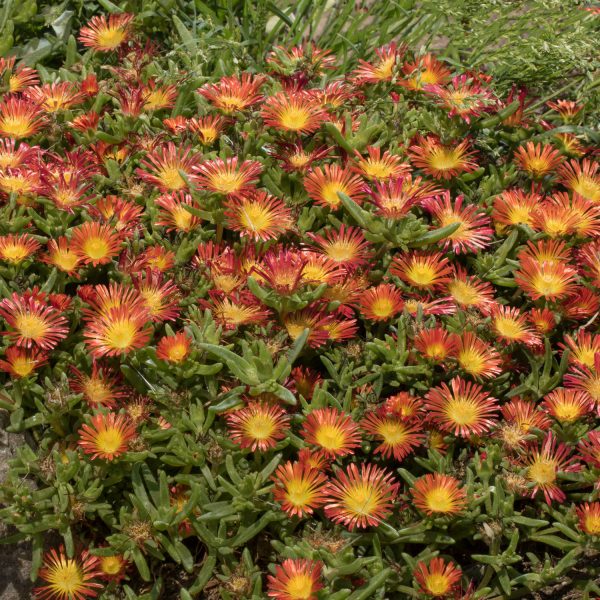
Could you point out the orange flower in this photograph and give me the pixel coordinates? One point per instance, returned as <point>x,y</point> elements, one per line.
<point>118,331</point>
<point>162,166</point>
<point>112,567</point>
<point>174,215</point>
<point>397,437</point>
<point>360,499</point>
<point>439,579</point>
<point>424,70</point>
<point>324,184</point>
<point>32,322</point>
<point>258,216</point>
<point>299,488</point>
<point>537,160</point>
<point>396,197</point>
<point>227,177</point>
<point>514,207</point>
<point>476,357</point>
<point>469,291</point>
<point>435,344</point>
<point>379,167</point>
<point>404,406</point>
<point>15,248</point>
<point>160,297</point>
<point>543,320</point>
<point>297,113</point>
<point>347,246</point>
<point>473,233</point>
<point>583,348</point>
<point>231,94</point>
<point>331,430</point>
<point>567,405</point>
<point>158,97</point>
<point>295,157</point>
<point>295,579</point>
<point>567,109</point>
<point>464,97</point>
<point>511,326</point>
<point>208,129</point>
<point>543,464</point>
<point>107,436</point>
<point>68,578</point>
<point>381,302</point>
<point>586,379</point>
<point>94,243</point>
<point>422,270</point>
<point>22,363</point>
<point>582,215</point>
<point>52,97</point>
<point>383,68</point>
<point>525,415</point>
<point>442,161</point>
<point>174,348</point>
<point>582,178</point>
<point>12,156</point>
<point>463,408</point>
<point>104,35</point>
<point>548,280</point>
<point>436,494</point>
<point>100,388</point>
<point>281,270</point>
<point>233,310</point>
<point>20,118</point>
<point>588,514</point>
<point>18,80</point>
<point>257,426</point>
<point>589,447</point>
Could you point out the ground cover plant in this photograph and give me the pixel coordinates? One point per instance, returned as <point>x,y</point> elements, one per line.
<point>309,330</point>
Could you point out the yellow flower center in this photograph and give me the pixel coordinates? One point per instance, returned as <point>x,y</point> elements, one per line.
<point>462,411</point>
<point>542,471</point>
<point>14,253</point>
<point>16,126</point>
<point>392,433</point>
<point>23,366</point>
<point>587,187</point>
<point>566,411</point>
<point>111,565</point>
<point>171,179</point>
<point>376,169</point>
<point>259,427</point>
<point>226,182</point>
<point>121,334</point>
<point>294,118</point>
<point>110,38</point>
<point>439,500</point>
<point>109,440</point>
<point>471,361</point>
<point>235,314</point>
<point>382,308</point>
<point>177,352</point>
<point>437,584</point>
<point>299,587</point>
<point>444,159</point>
<point>65,579</point>
<point>96,392</point>
<point>295,329</point>
<point>299,492</point>
<point>341,251</point>
<point>230,104</point>
<point>330,437</point>
<point>421,275</point>
<point>520,214</point>
<point>31,326</point>
<point>592,524</point>
<point>96,248</point>
<point>329,193</point>
<point>508,328</point>
<point>255,217</point>
<point>385,68</point>
<point>464,293</point>
<point>361,499</point>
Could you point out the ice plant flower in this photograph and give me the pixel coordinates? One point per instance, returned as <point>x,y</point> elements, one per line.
<point>537,160</point>
<point>68,578</point>
<point>101,387</point>
<point>422,270</point>
<point>583,177</point>
<point>324,184</point>
<point>567,405</point>
<point>424,70</point>
<point>473,233</point>
<point>299,488</point>
<point>32,322</point>
<point>297,113</point>
<point>174,348</point>
<point>436,494</point>
<point>258,216</point>
<point>462,408</point>
<point>103,35</point>
<point>381,302</point>
<point>174,214</point>
<point>331,430</point>
<point>442,161</point>
<point>20,118</point>
<point>227,177</point>
<point>476,357</point>
<point>94,243</point>
<point>233,94</point>
<point>346,246</point>
<point>549,280</point>
<point>162,166</point>
<point>360,498</point>
<point>107,436</point>
<point>22,363</point>
<point>588,515</point>
<point>383,68</point>
<point>120,330</point>
<point>378,166</point>
<point>295,579</point>
<point>396,197</point>
<point>258,426</point>
<point>438,579</point>
<point>397,437</point>
<point>15,248</point>
<point>543,465</point>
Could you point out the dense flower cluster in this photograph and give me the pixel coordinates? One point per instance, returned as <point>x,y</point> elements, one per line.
<point>282,310</point>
